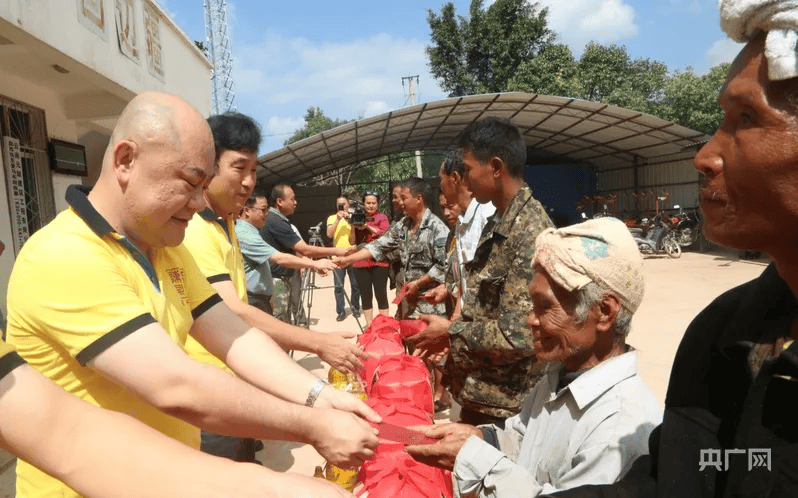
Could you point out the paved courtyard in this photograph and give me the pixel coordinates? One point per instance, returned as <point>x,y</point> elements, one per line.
<point>676,290</point>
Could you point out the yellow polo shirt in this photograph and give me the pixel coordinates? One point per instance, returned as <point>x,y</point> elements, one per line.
<point>214,244</point>
<point>9,359</point>
<point>342,231</point>
<point>77,288</point>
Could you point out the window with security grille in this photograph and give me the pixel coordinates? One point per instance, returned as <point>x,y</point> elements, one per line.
<point>29,184</point>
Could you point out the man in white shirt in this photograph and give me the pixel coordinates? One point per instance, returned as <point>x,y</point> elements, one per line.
<point>590,416</point>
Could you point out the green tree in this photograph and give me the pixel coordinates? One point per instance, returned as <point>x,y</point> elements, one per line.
<point>691,100</point>
<point>315,123</point>
<point>482,52</point>
<point>553,72</point>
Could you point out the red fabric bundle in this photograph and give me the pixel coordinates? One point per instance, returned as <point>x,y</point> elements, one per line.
<point>407,375</point>
<point>394,473</point>
<point>378,343</point>
<point>399,389</point>
<point>381,321</point>
<point>402,414</point>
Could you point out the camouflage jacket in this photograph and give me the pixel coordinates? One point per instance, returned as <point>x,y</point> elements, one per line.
<point>491,365</point>
<point>423,253</point>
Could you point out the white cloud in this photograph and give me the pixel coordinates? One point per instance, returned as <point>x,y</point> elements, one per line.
<point>375,108</point>
<point>283,76</point>
<point>723,50</point>
<point>280,70</point>
<point>279,126</point>
<point>579,22</point>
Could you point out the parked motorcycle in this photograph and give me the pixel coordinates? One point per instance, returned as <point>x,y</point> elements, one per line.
<point>686,225</point>
<point>660,238</point>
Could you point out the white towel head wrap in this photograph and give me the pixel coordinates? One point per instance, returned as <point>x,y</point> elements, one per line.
<point>743,19</point>
<point>601,251</point>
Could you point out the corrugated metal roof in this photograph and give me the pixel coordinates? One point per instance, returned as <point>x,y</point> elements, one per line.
<point>579,130</point>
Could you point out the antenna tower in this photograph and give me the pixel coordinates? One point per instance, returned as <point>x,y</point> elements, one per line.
<point>223,89</point>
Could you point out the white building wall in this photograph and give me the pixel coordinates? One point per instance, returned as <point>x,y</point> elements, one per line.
<point>56,23</point>
<point>82,105</point>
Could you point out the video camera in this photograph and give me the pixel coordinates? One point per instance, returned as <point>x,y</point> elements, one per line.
<point>357,214</point>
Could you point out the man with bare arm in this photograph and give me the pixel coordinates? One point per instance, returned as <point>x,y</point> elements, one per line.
<point>103,298</point>
<point>68,438</point>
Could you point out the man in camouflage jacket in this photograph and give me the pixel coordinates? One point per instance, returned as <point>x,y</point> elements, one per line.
<point>418,241</point>
<point>491,363</point>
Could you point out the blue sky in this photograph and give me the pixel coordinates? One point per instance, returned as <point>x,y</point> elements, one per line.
<point>349,57</point>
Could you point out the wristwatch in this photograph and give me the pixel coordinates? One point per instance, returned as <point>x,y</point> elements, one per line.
<point>315,390</point>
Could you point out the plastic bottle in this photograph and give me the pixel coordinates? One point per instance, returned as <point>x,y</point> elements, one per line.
<point>346,478</point>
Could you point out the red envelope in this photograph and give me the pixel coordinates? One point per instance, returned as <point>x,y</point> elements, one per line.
<point>402,435</point>
<point>411,327</point>
<point>401,294</point>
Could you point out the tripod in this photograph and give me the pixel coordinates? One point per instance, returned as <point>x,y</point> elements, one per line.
<point>309,285</point>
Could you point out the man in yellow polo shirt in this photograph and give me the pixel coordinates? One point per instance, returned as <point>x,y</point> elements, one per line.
<point>338,229</point>
<point>68,438</point>
<point>212,240</point>
<point>102,299</point>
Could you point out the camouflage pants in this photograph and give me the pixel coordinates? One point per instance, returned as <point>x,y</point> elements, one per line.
<point>281,300</point>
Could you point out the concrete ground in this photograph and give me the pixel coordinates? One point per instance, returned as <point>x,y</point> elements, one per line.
<point>676,290</point>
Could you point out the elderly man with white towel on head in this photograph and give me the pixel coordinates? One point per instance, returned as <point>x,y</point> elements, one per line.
<point>731,413</point>
<point>590,416</point>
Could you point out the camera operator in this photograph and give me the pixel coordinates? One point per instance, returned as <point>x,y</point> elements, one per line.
<point>371,274</point>
<point>338,229</point>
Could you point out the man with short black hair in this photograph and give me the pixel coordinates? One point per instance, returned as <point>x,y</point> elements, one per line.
<point>108,317</point>
<point>472,219</point>
<point>491,363</point>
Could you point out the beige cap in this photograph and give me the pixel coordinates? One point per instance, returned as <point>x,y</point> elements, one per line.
<point>601,251</point>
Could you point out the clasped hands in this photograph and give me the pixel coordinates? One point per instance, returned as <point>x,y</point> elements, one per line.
<point>432,343</point>
<point>443,453</point>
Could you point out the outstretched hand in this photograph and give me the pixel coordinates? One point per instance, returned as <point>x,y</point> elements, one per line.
<point>443,453</point>
<point>339,353</point>
<point>324,265</point>
<point>433,340</point>
<point>343,439</point>
<point>347,402</point>
<point>436,295</point>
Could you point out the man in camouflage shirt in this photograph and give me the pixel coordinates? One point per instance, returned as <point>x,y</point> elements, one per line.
<point>491,363</point>
<point>419,241</point>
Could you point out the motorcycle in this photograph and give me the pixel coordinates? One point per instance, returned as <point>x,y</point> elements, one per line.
<point>686,225</point>
<point>660,238</point>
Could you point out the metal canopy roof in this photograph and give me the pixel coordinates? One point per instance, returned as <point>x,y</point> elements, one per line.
<point>578,131</point>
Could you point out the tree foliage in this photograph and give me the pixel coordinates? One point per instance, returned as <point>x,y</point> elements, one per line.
<point>315,123</point>
<point>391,168</point>
<point>607,74</point>
<point>691,100</point>
<point>482,52</point>
<point>509,47</point>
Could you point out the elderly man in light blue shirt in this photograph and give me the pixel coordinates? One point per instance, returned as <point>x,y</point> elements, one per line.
<point>590,416</point>
<point>257,254</point>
